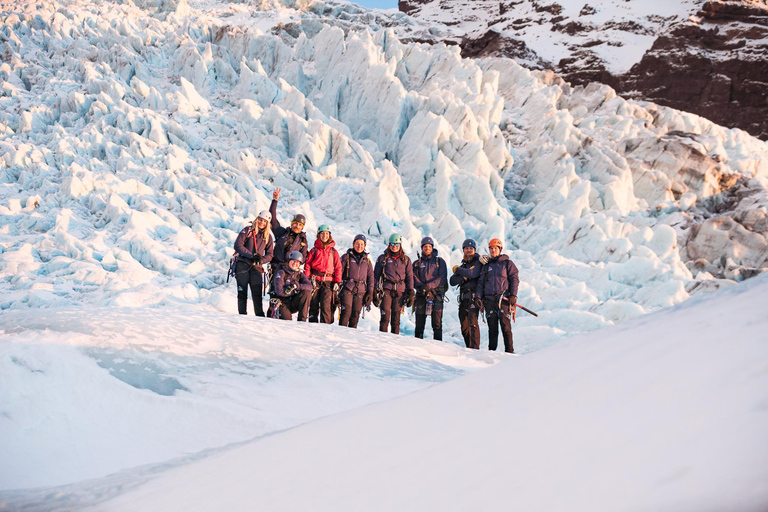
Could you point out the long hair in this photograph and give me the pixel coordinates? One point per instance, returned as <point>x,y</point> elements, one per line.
<point>263,233</point>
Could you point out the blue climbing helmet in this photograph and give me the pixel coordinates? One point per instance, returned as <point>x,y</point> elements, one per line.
<point>469,243</point>
<point>396,239</point>
<point>296,255</point>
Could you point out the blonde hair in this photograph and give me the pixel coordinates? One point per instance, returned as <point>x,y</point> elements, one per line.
<point>264,233</point>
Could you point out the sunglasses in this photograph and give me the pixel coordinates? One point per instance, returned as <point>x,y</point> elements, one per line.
<point>394,245</point>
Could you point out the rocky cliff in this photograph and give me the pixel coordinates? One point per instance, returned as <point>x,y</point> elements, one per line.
<point>709,58</point>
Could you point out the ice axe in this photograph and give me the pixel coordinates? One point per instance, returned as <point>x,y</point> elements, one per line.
<point>527,310</point>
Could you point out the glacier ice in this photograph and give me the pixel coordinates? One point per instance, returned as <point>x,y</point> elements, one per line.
<point>138,138</point>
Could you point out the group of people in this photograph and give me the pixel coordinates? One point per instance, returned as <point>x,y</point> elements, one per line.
<point>487,283</point>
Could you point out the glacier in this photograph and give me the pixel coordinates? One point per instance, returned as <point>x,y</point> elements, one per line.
<point>138,137</point>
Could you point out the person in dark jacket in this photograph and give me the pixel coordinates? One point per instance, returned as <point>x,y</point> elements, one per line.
<point>430,278</point>
<point>497,294</point>
<point>289,239</point>
<point>357,283</point>
<point>466,276</point>
<point>394,283</point>
<point>254,249</point>
<point>293,290</point>
<point>323,268</point>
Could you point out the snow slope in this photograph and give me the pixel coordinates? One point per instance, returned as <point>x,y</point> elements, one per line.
<point>87,393</point>
<point>667,412</point>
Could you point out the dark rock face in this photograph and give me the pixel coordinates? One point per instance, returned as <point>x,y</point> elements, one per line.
<point>713,62</point>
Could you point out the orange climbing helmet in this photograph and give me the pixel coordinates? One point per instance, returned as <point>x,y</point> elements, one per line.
<point>495,242</point>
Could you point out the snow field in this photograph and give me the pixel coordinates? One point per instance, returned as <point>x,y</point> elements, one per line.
<point>89,392</point>
<point>664,412</point>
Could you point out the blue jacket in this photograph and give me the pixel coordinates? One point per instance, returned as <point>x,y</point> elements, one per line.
<point>466,277</point>
<point>499,276</point>
<point>430,274</point>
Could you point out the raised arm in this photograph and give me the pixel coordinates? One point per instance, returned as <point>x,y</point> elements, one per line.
<point>277,230</point>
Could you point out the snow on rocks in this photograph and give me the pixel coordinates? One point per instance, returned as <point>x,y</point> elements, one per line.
<point>149,133</point>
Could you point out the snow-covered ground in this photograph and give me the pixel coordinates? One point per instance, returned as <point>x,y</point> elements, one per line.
<point>667,412</point>
<point>89,392</point>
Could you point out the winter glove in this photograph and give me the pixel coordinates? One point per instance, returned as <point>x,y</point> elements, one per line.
<point>410,299</point>
<point>455,268</point>
<point>256,258</point>
<point>258,268</point>
<point>336,287</point>
<point>289,289</point>
<point>478,303</point>
<point>513,300</point>
<point>484,258</point>
<point>376,299</point>
<point>367,298</point>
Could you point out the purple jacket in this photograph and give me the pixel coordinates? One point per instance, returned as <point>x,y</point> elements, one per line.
<point>357,273</point>
<point>395,270</point>
<point>466,277</point>
<point>430,274</point>
<point>251,246</point>
<point>286,277</point>
<point>499,276</point>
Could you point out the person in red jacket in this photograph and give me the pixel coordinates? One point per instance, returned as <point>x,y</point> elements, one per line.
<point>323,268</point>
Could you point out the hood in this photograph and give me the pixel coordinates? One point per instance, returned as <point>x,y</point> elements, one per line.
<point>431,256</point>
<point>353,254</point>
<point>320,246</point>
<point>502,257</point>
